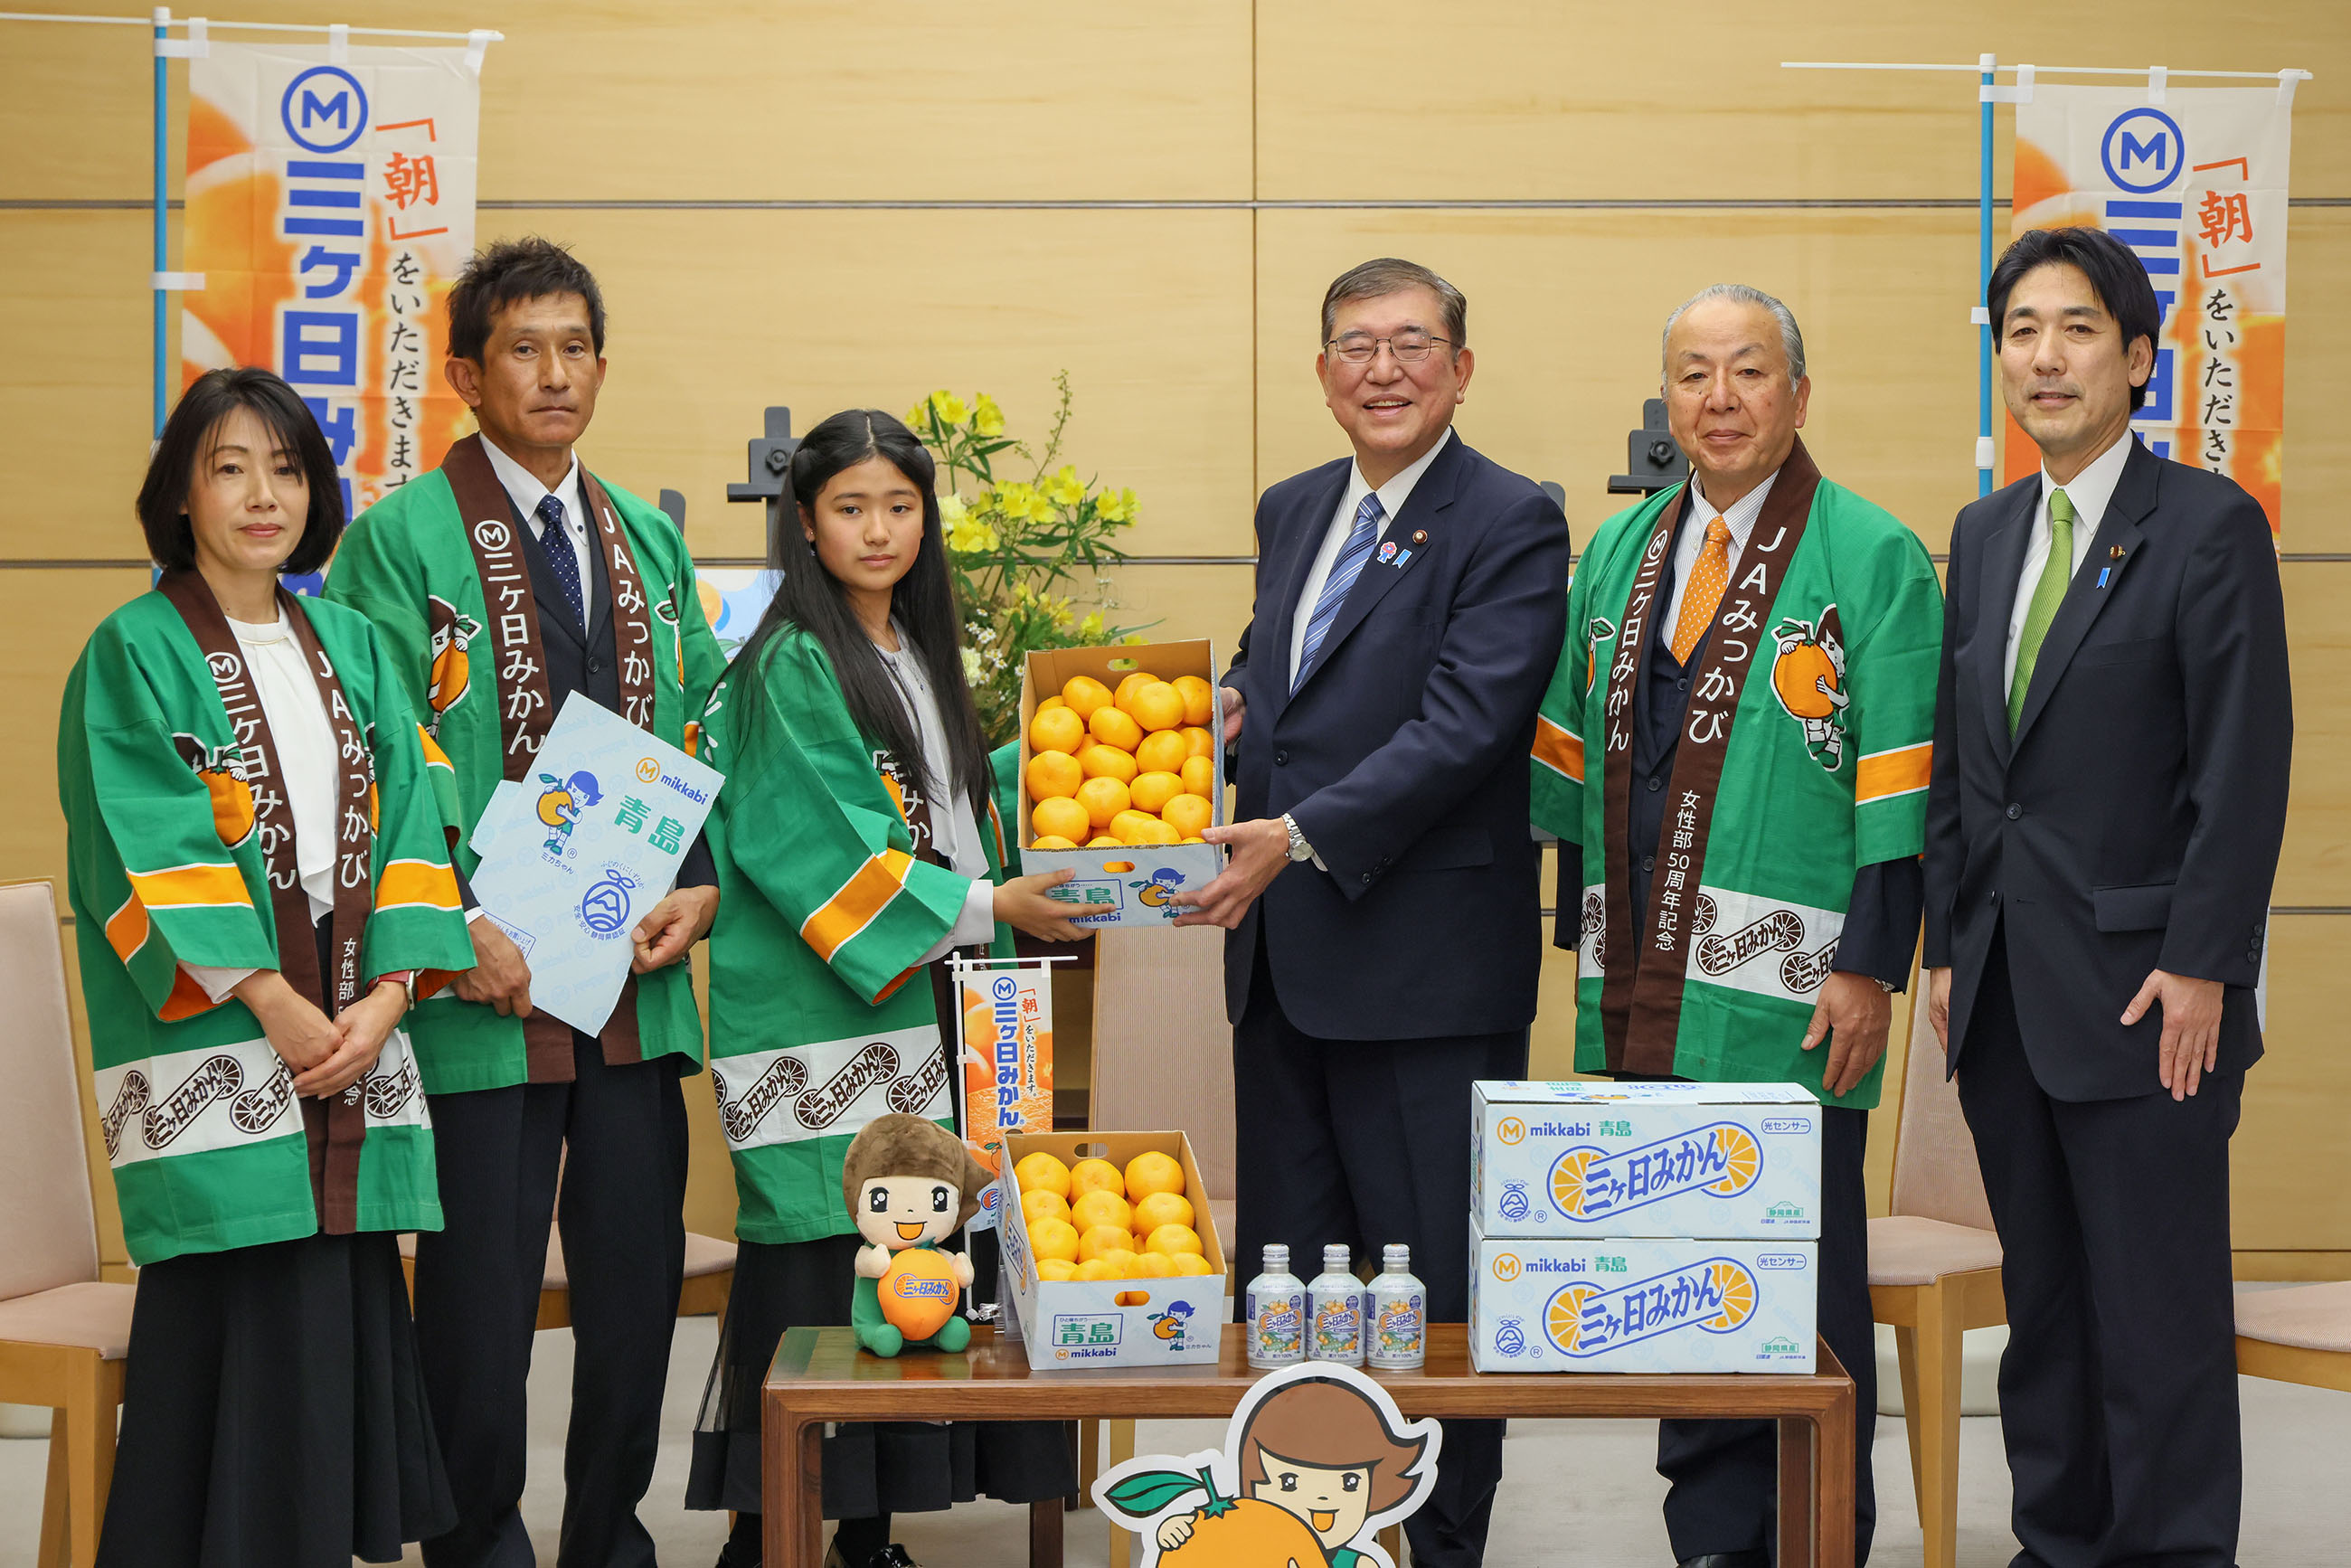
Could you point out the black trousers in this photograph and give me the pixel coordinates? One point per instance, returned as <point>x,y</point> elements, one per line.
<point>1366,1142</point>
<point>2118,1391</point>
<point>1725,1474</point>
<point>477,1284</point>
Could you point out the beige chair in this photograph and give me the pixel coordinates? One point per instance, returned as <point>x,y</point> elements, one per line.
<point>64,1333</point>
<point>709,1278</point>
<point>1934,1273</point>
<point>2296,1333</point>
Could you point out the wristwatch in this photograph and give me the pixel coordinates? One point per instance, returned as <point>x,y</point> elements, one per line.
<point>1300,849</point>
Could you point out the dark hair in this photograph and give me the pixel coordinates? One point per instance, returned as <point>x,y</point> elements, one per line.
<point>513,270</point>
<point>187,442</point>
<point>2116,276</point>
<point>1391,275</point>
<point>923,603</point>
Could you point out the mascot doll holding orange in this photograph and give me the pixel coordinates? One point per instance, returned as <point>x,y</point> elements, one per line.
<point>910,1184</point>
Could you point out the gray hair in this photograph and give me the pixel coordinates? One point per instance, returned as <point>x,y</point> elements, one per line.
<point>1791,337</point>
<point>1391,275</point>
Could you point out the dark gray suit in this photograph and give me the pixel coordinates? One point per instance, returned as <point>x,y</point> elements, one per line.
<point>2132,824</point>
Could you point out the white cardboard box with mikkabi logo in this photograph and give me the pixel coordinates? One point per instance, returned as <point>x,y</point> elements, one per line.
<point>1604,1159</point>
<point>1132,884</point>
<point>1641,1304</point>
<point>1069,1324</point>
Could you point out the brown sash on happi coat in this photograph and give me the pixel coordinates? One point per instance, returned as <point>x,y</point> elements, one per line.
<point>336,1127</point>
<point>519,663</point>
<point>1641,990</point>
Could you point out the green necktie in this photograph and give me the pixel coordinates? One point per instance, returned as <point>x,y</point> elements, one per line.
<point>2047,594</point>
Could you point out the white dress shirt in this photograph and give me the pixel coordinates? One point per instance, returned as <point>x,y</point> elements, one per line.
<point>305,742</point>
<point>1393,495</point>
<point>954,834</point>
<point>522,486</point>
<point>2090,491</point>
<point>1740,520</point>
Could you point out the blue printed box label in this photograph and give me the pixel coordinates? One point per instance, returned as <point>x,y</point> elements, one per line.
<point>1607,1160</point>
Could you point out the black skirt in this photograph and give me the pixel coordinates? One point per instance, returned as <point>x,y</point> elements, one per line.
<point>273,1412</point>
<point>870,1468</point>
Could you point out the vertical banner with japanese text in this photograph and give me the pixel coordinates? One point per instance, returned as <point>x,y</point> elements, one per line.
<point>1007,1029</point>
<point>330,206</point>
<point>2196,185</point>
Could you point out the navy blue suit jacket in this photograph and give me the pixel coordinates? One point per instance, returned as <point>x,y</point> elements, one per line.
<point>1401,756</point>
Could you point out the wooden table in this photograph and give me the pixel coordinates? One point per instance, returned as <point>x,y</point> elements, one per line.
<point>820,1375</point>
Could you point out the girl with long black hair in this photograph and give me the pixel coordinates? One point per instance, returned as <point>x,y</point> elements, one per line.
<point>857,846</point>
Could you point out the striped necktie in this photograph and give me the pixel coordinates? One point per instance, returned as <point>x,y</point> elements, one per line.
<point>1343,573</point>
<point>2047,595</point>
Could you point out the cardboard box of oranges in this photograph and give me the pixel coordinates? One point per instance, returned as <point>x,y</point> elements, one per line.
<point>1141,1282</point>
<point>1121,767</point>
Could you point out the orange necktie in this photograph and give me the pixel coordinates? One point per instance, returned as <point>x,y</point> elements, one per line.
<point>1708,579</point>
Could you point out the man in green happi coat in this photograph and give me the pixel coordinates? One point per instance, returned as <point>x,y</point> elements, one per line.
<point>1734,756</point>
<point>504,583</point>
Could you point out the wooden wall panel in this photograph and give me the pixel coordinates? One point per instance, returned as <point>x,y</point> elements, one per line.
<point>1508,98</point>
<point>740,100</point>
<point>2295,1097</point>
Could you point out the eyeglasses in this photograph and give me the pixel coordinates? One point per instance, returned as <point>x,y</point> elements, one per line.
<point>1359,348</point>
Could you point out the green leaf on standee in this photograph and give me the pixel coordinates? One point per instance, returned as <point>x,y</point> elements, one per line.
<point>1146,1493</point>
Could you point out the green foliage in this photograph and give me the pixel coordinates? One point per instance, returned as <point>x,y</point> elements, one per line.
<point>1012,543</point>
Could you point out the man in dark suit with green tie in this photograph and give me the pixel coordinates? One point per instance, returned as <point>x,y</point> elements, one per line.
<point>2114,728</point>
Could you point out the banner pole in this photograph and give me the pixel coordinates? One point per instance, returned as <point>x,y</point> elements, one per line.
<point>162,257</point>
<point>1983,285</point>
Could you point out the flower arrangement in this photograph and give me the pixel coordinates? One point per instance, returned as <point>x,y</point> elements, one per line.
<point>1011,543</point>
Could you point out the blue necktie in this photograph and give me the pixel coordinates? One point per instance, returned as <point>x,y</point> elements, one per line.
<point>560,556</point>
<point>1343,573</point>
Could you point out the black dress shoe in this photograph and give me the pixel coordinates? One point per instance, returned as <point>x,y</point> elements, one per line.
<point>892,1556</point>
<point>1728,1560</point>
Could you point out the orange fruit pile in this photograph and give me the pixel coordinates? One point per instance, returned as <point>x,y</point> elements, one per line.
<point>1094,1221</point>
<point>1133,765</point>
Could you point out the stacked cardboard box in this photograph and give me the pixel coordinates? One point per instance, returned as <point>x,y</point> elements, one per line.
<point>1644,1227</point>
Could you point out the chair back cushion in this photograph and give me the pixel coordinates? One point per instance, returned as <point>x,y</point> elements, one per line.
<point>48,1228</point>
<point>1163,1050</point>
<point>1935,1170</point>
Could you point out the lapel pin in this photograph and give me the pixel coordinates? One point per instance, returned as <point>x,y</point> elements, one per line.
<point>2115,552</point>
<point>1420,536</point>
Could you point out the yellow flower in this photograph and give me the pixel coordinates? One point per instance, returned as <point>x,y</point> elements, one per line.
<point>987,419</point>
<point>949,407</point>
<point>1063,490</point>
<point>1040,509</point>
<point>1091,628</point>
<point>1012,498</point>
<point>971,667</point>
<point>918,416</point>
<point>971,536</point>
<point>952,509</point>
<point>1062,615</point>
<point>1115,505</point>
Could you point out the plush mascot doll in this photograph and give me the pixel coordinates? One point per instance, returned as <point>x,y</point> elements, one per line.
<point>910,1184</point>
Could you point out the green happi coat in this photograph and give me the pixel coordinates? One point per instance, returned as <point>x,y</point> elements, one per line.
<point>164,867</point>
<point>1805,755</point>
<point>821,1017</point>
<point>406,565</point>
